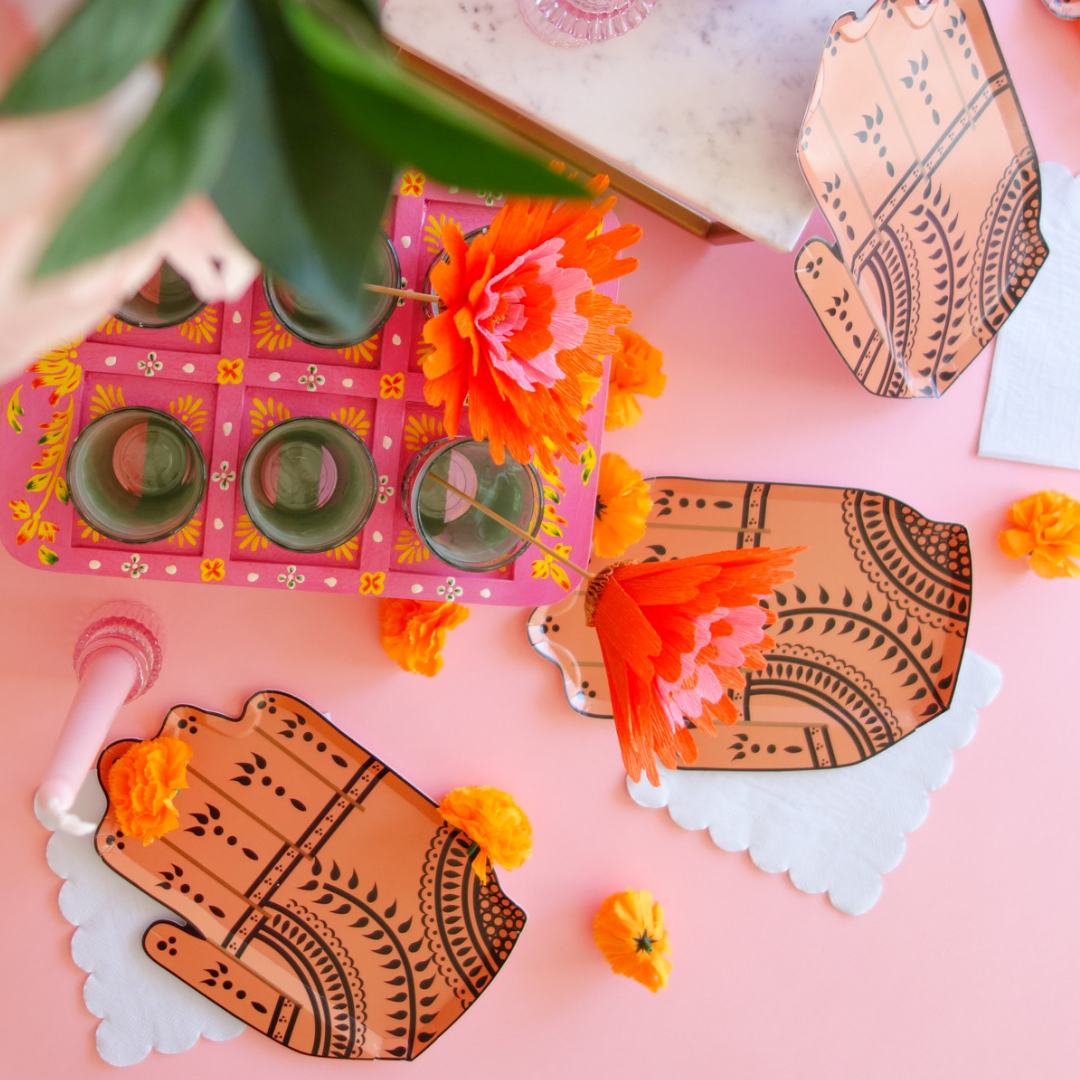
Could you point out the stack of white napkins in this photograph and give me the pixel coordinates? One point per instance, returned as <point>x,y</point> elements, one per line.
<point>1033,406</point>
<point>834,830</point>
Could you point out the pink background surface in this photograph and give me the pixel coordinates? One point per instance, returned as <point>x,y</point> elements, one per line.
<point>967,965</point>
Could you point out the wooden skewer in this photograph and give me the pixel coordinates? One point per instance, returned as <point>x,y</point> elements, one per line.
<point>405,294</point>
<point>513,528</point>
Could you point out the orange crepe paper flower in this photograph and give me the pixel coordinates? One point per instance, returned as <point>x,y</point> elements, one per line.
<point>629,931</point>
<point>496,825</point>
<point>636,368</point>
<point>1045,526</point>
<point>142,784</point>
<point>523,327</point>
<point>413,632</point>
<point>622,505</point>
<point>673,636</point>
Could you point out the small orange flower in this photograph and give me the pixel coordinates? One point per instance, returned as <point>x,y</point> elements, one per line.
<point>496,825</point>
<point>142,784</point>
<point>622,505</point>
<point>392,385</point>
<point>413,632</point>
<point>372,584</point>
<point>412,183</point>
<point>212,569</point>
<point>230,371</point>
<point>1046,526</point>
<point>635,369</point>
<point>629,931</point>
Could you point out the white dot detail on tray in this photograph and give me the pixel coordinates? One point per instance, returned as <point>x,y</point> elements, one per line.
<point>218,523</point>
<point>237,317</point>
<point>396,339</point>
<point>94,564</point>
<point>387,442</point>
<point>110,361</point>
<point>377,537</point>
<point>406,241</point>
<point>226,428</point>
<point>331,581</point>
<point>253,577</point>
<point>346,383</point>
<point>170,570</point>
<point>274,376</point>
<point>188,369</point>
<point>417,589</point>
<point>485,593</point>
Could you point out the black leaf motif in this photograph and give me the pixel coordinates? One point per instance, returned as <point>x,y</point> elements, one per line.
<point>214,812</point>
<point>335,872</point>
<point>823,596</point>
<point>426,984</point>
<point>397,980</point>
<point>258,1007</point>
<point>250,854</point>
<point>404,927</point>
<point>847,599</point>
<point>202,819</point>
<point>391,911</point>
<point>373,895</point>
<point>259,760</point>
<point>246,766</point>
<point>198,830</point>
<point>398,997</point>
<point>309,886</point>
<point>343,910</point>
<point>793,749</point>
<point>244,780</point>
<point>338,760</point>
<point>216,911</point>
<point>944,684</point>
<point>353,880</point>
<point>326,898</point>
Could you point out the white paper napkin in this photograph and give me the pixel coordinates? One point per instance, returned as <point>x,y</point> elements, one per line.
<point>835,830</point>
<point>1032,411</point>
<point>142,1007</point>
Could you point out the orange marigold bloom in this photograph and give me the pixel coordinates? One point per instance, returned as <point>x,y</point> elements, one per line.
<point>523,322</point>
<point>622,505</point>
<point>496,825</point>
<point>1046,526</point>
<point>636,368</point>
<point>629,931</point>
<point>413,632</point>
<point>142,784</point>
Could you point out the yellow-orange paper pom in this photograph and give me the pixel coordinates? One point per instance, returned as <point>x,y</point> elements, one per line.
<point>413,632</point>
<point>495,824</point>
<point>142,784</point>
<point>622,505</point>
<point>635,369</point>
<point>1045,526</point>
<point>629,931</point>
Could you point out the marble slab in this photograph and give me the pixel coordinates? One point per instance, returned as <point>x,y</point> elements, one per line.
<point>703,99</point>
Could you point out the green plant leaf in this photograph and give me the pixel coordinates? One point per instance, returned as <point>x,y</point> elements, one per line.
<point>95,50</point>
<point>409,122</point>
<point>179,149</point>
<point>297,189</point>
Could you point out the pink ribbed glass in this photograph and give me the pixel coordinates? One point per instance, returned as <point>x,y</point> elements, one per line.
<point>572,23</point>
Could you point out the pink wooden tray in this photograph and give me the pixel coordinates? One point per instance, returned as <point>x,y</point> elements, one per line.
<point>229,373</point>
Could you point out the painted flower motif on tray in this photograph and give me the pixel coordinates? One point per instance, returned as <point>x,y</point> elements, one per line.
<point>291,578</point>
<point>347,551</point>
<point>410,548</point>
<point>134,567</point>
<point>106,398</point>
<point>312,380</point>
<point>47,557</point>
<point>87,531</point>
<point>223,476</point>
<point>421,429</point>
<point>265,414</point>
<point>451,590</point>
<point>230,371</point>
<point>412,183</point>
<point>548,568</point>
<point>371,584</point>
<point>15,410</point>
<point>57,368</point>
<point>189,534</point>
<point>386,489</point>
<point>361,353</point>
<point>433,231</point>
<point>356,420</point>
<point>212,570</point>
<point>270,334</point>
<point>113,325</point>
<point>250,538</point>
<point>392,385</point>
<point>201,327</point>
<point>150,366</point>
<point>189,410</point>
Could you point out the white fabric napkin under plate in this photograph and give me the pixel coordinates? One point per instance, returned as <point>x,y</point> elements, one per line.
<point>835,830</point>
<point>1032,411</point>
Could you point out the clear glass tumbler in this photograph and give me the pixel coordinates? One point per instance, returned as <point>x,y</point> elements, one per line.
<point>305,321</point>
<point>136,475</point>
<point>308,484</point>
<point>572,23</point>
<point>165,300</point>
<point>456,532</point>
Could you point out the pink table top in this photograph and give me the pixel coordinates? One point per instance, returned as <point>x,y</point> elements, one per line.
<point>967,965</point>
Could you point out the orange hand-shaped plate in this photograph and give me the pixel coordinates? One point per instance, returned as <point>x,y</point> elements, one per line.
<point>869,633</point>
<point>327,903</point>
<point>916,149</point>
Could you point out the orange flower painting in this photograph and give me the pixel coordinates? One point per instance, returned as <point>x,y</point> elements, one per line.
<point>523,328</point>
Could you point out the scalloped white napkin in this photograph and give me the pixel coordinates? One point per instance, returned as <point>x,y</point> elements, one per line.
<point>142,1007</point>
<point>1032,410</point>
<point>834,830</point>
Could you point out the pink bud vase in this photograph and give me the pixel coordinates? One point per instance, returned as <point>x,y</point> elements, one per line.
<point>572,23</point>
